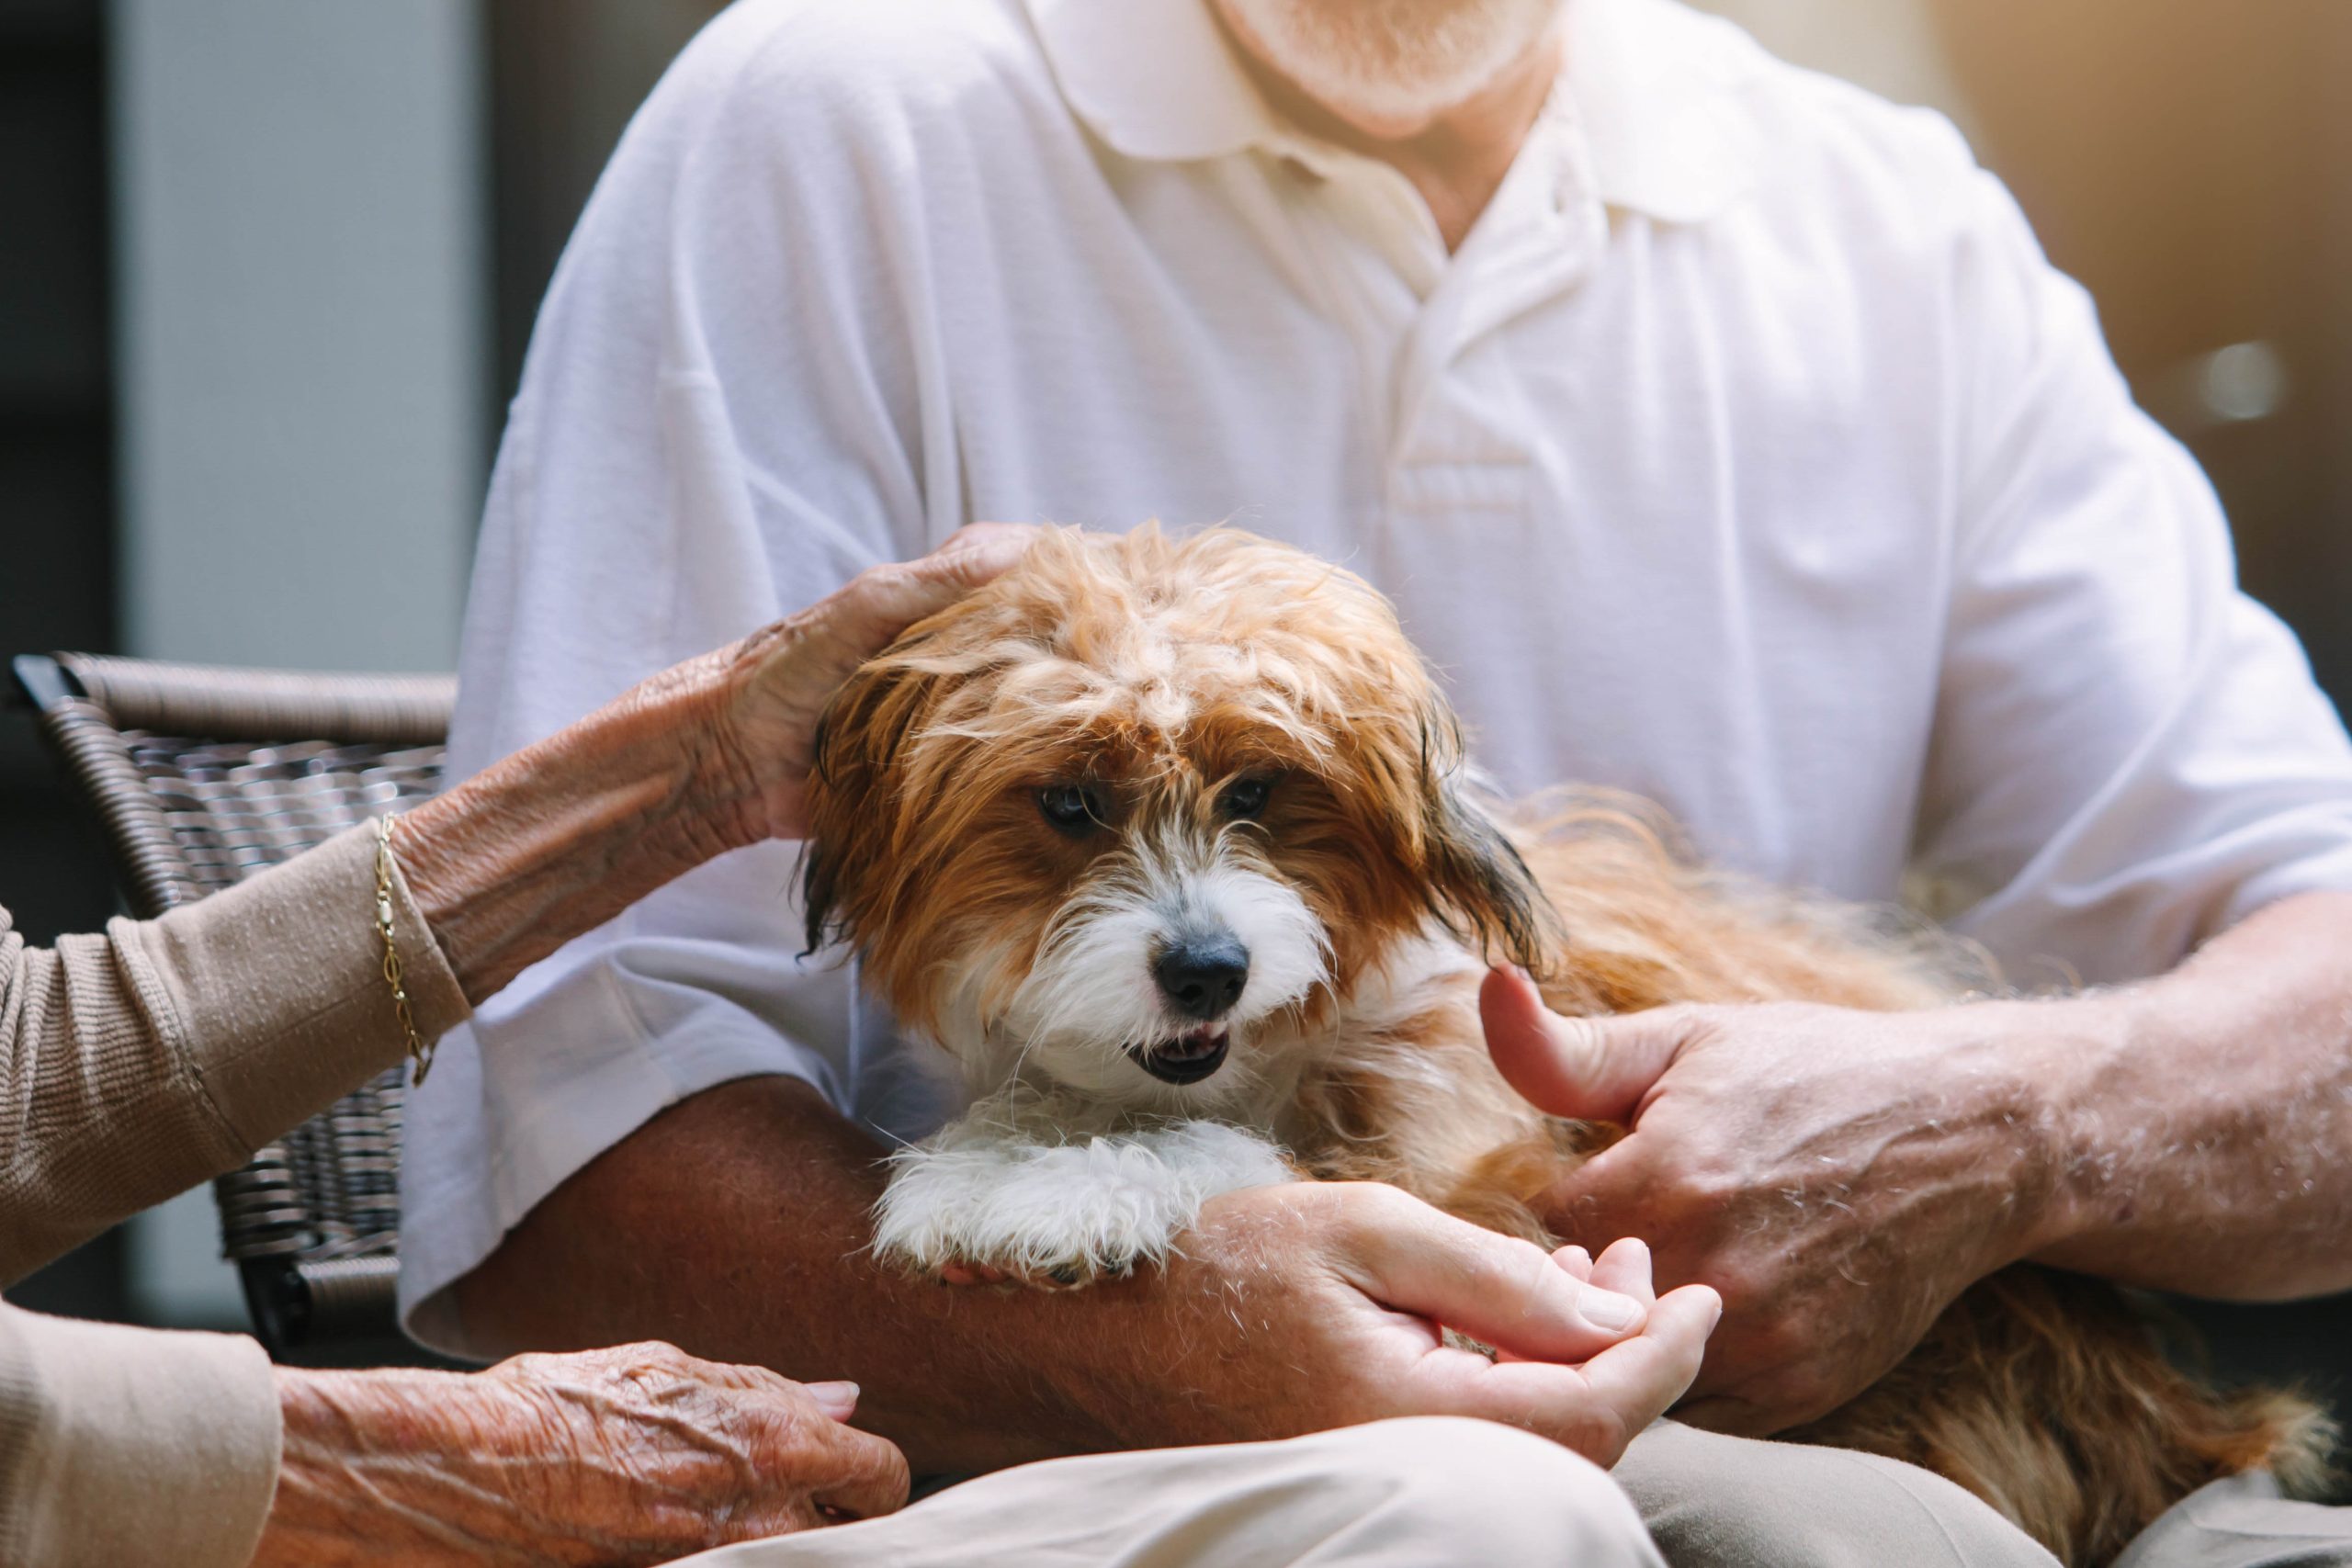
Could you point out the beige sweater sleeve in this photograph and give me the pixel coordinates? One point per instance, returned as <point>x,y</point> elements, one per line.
<point>134,1065</point>
<point>122,1447</point>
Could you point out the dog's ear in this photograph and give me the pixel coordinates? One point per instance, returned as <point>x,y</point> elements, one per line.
<point>852,795</point>
<point>1479,887</point>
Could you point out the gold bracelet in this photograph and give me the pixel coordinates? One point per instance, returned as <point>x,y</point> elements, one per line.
<point>418,1051</point>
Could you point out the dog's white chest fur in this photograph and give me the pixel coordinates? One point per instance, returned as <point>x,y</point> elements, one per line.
<point>1041,1205</point>
<point>1059,1186</point>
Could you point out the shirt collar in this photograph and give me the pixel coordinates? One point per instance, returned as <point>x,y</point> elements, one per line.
<point>1652,85</point>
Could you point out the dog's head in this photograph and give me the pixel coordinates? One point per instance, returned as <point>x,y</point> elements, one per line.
<point>1130,819</point>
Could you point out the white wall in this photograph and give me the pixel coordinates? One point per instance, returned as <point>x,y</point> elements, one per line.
<point>304,349</point>
<point>305,363</point>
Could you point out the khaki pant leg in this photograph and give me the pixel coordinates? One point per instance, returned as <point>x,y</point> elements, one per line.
<point>1408,1494</point>
<point>1718,1502</point>
<point>2244,1523</point>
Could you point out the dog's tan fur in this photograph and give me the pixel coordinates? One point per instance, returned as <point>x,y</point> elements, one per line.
<point>1161,669</point>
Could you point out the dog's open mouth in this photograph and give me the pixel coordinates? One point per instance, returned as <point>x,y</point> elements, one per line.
<point>1188,1058</point>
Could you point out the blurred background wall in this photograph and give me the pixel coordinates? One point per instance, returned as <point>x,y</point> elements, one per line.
<point>300,287</point>
<point>267,269</point>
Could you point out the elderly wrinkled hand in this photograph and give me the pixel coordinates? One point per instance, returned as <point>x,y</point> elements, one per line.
<point>786,674</point>
<point>708,756</point>
<point>634,1455</point>
<point>1840,1177</point>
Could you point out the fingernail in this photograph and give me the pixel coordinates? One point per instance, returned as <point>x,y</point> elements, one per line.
<point>838,1400</point>
<point>1608,1309</point>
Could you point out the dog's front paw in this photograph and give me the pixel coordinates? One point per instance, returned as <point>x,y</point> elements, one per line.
<point>979,1206</point>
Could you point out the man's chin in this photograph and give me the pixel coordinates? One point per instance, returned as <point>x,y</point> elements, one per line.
<point>1297,40</point>
<point>1384,111</point>
<point>1386,121</point>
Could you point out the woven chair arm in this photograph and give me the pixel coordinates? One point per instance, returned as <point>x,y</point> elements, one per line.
<point>226,704</point>
<point>148,860</point>
<point>201,777</point>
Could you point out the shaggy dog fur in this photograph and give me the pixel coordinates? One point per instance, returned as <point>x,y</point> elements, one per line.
<point>1170,842</point>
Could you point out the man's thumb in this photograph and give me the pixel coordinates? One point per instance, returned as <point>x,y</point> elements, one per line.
<point>1594,1069</point>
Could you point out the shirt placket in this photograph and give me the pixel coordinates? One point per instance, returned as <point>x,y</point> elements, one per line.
<point>1539,237</point>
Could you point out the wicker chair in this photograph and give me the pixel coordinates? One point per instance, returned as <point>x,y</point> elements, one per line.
<point>199,778</point>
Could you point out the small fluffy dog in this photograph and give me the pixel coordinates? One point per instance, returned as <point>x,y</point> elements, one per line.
<point>1169,842</point>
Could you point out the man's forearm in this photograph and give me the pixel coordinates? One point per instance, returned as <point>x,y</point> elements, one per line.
<point>735,1225</point>
<point>2206,1117</point>
<point>738,1224</point>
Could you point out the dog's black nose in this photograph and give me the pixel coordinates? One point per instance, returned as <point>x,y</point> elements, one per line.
<point>1202,975</point>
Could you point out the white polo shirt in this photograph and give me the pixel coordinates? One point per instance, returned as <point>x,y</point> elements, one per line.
<point>1747,455</point>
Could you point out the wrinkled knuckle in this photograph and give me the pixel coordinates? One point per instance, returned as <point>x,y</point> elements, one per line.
<point>886,583</point>
<point>1596,1431</point>
<point>893,1476</point>
<point>1585,1054</point>
<point>770,1388</point>
<point>540,1366</point>
<point>1613,1434</point>
<point>1521,1268</point>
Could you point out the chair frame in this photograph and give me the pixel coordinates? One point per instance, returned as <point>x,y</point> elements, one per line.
<point>299,1290</point>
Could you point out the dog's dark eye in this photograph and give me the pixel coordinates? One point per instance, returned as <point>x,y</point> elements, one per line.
<point>1245,798</point>
<point>1073,808</point>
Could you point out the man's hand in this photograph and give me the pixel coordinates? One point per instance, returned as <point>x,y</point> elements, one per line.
<point>635,1455</point>
<point>1310,1305</point>
<point>1839,1176</point>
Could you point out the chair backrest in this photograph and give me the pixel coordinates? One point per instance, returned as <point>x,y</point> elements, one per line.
<point>198,777</point>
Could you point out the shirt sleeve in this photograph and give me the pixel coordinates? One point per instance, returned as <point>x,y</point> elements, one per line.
<point>2128,753</point>
<point>127,1445</point>
<point>717,426</point>
<point>137,1064</point>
